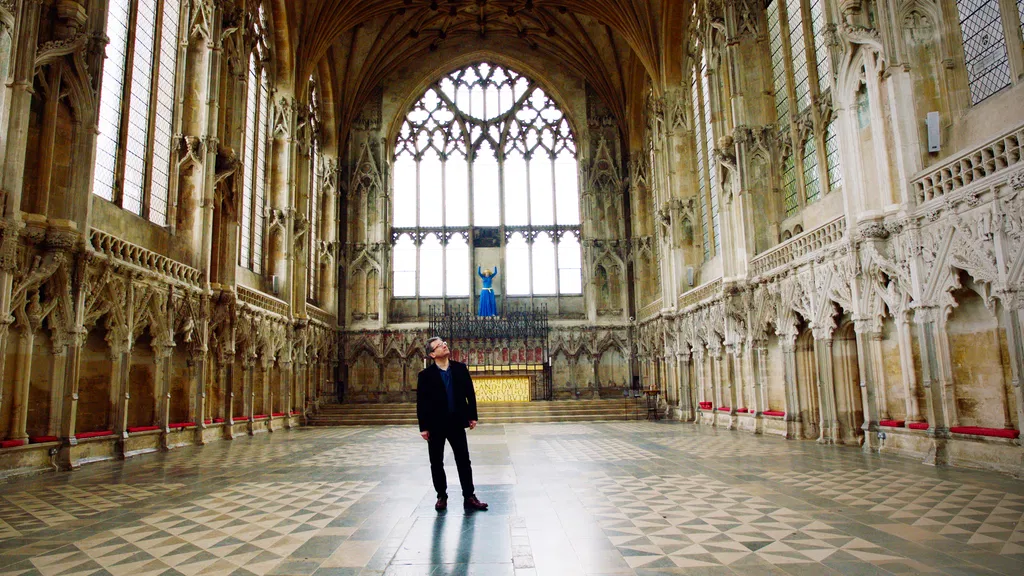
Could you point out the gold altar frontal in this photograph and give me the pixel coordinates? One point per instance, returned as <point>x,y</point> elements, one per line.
<point>501,389</point>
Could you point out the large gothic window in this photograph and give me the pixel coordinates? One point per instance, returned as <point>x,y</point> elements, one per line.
<point>136,113</point>
<point>254,150</point>
<point>486,158</point>
<point>802,74</point>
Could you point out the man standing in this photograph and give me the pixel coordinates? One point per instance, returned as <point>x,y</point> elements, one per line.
<point>445,407</point>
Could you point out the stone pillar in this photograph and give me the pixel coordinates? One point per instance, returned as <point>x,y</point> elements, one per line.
<point>226,365</point>
<point>286,391</point>
<point>906,343</point>
<point>162,355</point>
<point>828,429</point>
<point>937,385</point>
<point>247,391</point>
<point>57,378</point>
<point>869,361</point>
<point>199,385</point>
<point>685,398</point>
<point>716,381</point>
<point>794,422</point>
<point>1013,319</point>
<point>121,360</point>
<point>23,377</point>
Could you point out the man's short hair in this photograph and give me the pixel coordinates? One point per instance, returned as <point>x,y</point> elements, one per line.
<point>430,344</point>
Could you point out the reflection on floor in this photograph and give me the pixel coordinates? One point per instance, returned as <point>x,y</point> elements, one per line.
<point>618,498</point>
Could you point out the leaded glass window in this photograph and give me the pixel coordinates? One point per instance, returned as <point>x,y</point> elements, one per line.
<point>811,186</point>
<point>778,63</point>
<point>315,189</point>
<point>835,175</point>
<point>799,51</point>
<point>255,140</point>
<point>988,66</point>
<point>486,152</point>
<point>789,185</point>
<point>707,176</point>
<point>789,23</point>
<point>133,147</point>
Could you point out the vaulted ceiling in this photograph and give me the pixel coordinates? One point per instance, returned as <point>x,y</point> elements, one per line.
<point>615,45</point>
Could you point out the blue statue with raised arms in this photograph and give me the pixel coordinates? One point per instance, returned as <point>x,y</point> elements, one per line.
<point>488,307</point>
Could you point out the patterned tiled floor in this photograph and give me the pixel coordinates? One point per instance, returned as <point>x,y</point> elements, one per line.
<point>630,498</point>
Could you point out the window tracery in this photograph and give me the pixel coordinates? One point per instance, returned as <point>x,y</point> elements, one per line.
<point>136,112</point>
<point>985,54</point>
<point>485,157</point>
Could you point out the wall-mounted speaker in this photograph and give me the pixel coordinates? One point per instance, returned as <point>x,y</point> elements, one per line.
<point>931,121</point>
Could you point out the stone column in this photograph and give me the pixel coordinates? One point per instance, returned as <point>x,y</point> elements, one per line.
<point>286,390</point>
<point>226,365</point>
<point>716,381</point>
<point>933,378</point>
<point>828,430</point>
<point>23,372</point>
<point>686,406</point>
<point>1013,319</point>
<point>162,355</point>
<point>121,365</point>
<point>794,421</point>
<point>869,359</point>
<point>247,391</point>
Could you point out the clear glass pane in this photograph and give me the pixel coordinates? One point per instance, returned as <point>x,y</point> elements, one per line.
<point>431,200</point>
<point>811,170</point>
<point>570,279</point>
<point>485,188</point>
<point>109,124</point>
<point>457,267</point>
<point>789,185</point>
<point>405,267</point>
<point>137,147</point>
<point>567,190</point>
<point>517,262</point>
<point>493,106</point>
<point>799,51</point>
<point>544,265</point>
<point>456,181</point>
<point>778,63</point>
<point>163,126</point>
<point>542,202</point>
<point>820,45</point>
<point>835,174</point>
<point>515,190</point>
<point>431,259</point>
<point>260,185</point>
<point>405,191</point>
<point>988,69</point>
<point>249,162</point>
<point>476,102</point>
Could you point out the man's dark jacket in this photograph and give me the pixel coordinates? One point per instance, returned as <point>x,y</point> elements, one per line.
<point>432,399</point>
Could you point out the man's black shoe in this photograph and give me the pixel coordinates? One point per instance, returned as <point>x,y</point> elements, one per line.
<point>442,504</point>
<point>472,503</point>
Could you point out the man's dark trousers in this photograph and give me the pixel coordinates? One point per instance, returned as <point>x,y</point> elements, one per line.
<point>455,434</point>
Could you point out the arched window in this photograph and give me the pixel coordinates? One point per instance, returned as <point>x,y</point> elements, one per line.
<point>486,159</point>
<point>801,72</point>
<point>133,148</point>
<point>254,150</point>
<point>316,169</point>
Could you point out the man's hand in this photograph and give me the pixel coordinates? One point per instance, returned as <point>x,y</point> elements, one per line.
<point>472,424</point>
<point>425,434</point>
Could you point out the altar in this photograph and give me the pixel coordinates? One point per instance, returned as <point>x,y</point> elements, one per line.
<point>495,384</point>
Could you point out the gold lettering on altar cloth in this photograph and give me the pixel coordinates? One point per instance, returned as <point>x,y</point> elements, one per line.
<point>501,389</point>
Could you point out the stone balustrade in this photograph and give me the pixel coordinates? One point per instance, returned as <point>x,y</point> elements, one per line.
<point>996,156</point>
<point>798,247</point>
<point>701,293</point>
<point>263,301</point>
<point>134,255</point>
